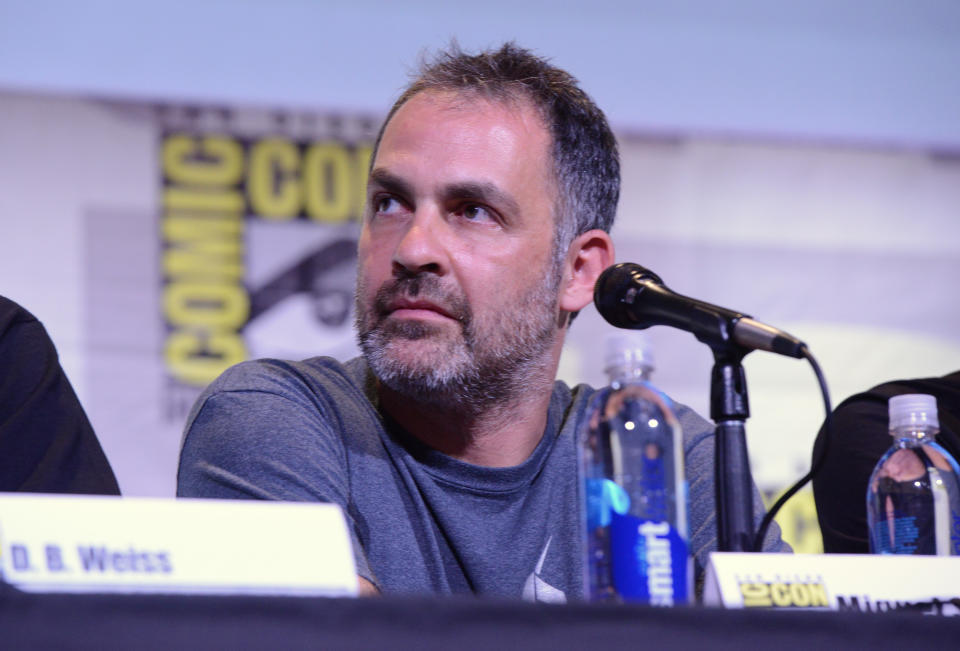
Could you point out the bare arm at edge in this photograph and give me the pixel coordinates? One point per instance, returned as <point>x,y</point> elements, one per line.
<point>366,589</point>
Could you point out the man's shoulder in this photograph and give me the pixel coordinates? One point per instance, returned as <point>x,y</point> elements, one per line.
<point>288,376</point>
<point>318,387</point>
<point>13,312</point>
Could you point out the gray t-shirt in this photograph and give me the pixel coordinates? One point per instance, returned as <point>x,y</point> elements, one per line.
<point>421,521</point>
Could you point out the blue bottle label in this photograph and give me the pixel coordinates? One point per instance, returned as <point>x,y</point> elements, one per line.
<point>649,561</point>
<point>604,497</point>
<point>899,535</point>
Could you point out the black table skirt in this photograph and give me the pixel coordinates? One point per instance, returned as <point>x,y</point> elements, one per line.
<point>78,621</point>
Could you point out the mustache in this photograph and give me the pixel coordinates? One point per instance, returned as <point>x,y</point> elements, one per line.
<point>427,287</point>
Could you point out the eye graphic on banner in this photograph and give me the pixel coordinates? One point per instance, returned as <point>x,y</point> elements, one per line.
<point>258,240</point>
<point>325,275</point>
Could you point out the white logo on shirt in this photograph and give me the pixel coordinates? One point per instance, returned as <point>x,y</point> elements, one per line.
<point>536,589</point>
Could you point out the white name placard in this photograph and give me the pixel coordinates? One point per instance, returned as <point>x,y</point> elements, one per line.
<point>125,544</point>
<point>851,582</point>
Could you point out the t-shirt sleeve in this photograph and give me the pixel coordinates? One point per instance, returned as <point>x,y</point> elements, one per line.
<point>254,443</point>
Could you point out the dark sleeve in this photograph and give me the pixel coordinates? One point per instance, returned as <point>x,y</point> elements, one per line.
<point>254,435</point>
<point>859,439</point>
<point>47,444</point>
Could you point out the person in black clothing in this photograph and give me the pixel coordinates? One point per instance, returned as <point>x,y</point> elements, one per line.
<point>47,444</point>
<point>860,438</point>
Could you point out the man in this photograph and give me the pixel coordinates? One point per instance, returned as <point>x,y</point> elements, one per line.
<point>450,447</point>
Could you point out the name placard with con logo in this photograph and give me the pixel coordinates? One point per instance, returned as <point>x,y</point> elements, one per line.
<point>844,582</point>
<point>125,544</point>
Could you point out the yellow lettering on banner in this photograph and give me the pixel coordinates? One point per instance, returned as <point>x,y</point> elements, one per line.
<point>362,167</point>
<point>198,261</point>
<point>212,160</point>
<point>273,184</point>
<point>204,300</point>
<point>327,175</point>
<point>755,595</point>
<point>818,594</point>
<point>799,594</point>
<point>780,594</point>
<point>179,227</point>
<point>783,595</point>
<point>206,305</point>
<point>182,199</point>
<point>203,247</point>
<point>198,359</point>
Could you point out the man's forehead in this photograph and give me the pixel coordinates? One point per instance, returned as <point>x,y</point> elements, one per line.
<point>464,141</point>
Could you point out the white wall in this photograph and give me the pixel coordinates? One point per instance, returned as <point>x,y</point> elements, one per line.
<point>865,70</point>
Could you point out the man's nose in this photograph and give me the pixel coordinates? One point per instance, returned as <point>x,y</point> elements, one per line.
<point>421,247</point>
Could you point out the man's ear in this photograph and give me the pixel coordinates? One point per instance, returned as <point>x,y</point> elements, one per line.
<point>589,254</point>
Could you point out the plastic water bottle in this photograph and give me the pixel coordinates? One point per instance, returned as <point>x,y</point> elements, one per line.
<point>913,497</point>
<point>633,491</point>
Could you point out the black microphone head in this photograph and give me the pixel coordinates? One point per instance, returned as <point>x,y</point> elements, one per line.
<point>615,286</point>
<point>630,296</point>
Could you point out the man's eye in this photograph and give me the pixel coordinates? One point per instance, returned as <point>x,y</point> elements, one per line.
<point>477,213</point>
<point>387,205</point>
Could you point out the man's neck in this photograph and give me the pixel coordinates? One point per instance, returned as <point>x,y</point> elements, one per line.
<point>501,436</point>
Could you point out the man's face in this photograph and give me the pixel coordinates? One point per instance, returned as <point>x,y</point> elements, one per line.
<point>457,289</point>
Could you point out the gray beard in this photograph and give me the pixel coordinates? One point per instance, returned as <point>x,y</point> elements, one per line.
<point>491,361</point>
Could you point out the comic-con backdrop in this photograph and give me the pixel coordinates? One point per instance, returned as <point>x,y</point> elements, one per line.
<point>161,243</point>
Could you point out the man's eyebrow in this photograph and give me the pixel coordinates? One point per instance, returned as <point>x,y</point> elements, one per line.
<point>390,182</point>
<point>480,192</point>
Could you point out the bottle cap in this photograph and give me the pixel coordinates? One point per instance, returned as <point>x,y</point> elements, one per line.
<point>913,409</point>
<point>628,349</point>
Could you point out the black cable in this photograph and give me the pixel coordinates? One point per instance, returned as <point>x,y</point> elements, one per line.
<point>817,463</point>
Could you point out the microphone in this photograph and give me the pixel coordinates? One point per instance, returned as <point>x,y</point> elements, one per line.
<point>630,296</point>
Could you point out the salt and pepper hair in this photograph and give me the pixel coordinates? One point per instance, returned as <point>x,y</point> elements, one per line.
<point>586,163</point>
